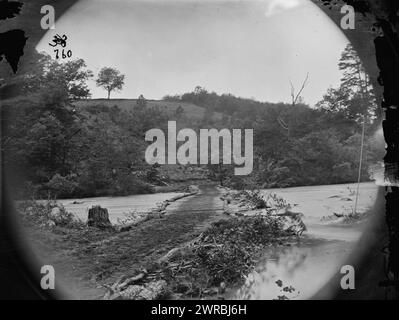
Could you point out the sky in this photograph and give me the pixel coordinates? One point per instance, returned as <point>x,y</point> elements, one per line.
<point>251,49</point>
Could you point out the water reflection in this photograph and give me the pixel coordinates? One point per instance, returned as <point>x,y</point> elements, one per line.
<point>295,272</point>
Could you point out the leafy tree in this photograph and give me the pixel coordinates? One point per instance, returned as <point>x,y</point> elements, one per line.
<point>41,134</point>
<point>110,79</point>
<point>98,150</point>
<point>335,100</point>
<point>74,76</point>
<point>356,83</point>
<point>355,78</point>
<point>48,74</point>
<point>354,97</point>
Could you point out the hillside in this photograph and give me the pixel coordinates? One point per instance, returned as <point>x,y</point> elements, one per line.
<point>190,109</point>
<point>169,173</point>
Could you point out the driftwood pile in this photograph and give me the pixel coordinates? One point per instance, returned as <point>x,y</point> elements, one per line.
<point>253,203</point>
<point>221,255</point>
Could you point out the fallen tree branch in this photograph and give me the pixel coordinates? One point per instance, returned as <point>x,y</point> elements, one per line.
<point>132,280</point>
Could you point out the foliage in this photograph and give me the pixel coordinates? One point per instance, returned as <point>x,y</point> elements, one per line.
<point>48,74</point>
<point>141,103</point>
<point>63,151</point>
<point>298,145</point>
<point>224,253</point>
<point>110,79</point>
<point>255,199</point>
<point>61,186</point>
<point>48,213</point>
<point>355,97</point>
<point>66,151</point>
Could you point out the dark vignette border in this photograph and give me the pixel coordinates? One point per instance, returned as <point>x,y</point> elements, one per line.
<point>18,282</point>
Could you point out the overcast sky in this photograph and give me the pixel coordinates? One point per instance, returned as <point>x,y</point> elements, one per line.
<point>248,48</point>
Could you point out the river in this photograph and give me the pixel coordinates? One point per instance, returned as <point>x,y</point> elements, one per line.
<point>293,271</point>
<point>300,270</point>
<point>119,208</point>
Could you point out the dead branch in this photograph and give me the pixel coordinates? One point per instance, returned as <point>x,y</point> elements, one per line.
<point>282,123</point>
<point>132,280</point>
<point>296,97</point>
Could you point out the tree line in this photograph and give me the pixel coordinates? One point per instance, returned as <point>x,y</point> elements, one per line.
<point>60,150</point>
<point>55,149</point>
<point>299,145</point>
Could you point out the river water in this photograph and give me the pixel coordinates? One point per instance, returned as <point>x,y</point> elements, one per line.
<point>299,270</point>
<point>294,271</point>
<point>119,208</point>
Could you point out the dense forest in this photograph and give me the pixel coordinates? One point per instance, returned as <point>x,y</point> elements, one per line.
<point>61,150</point>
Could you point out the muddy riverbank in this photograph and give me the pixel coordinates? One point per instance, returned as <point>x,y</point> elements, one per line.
<point>86,259</point>
<point>299,270</point>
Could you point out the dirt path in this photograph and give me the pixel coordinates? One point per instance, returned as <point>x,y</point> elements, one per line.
<point>85,264</point>
<point>152,239</point>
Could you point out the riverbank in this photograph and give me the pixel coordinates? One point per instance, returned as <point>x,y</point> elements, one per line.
<point>221,250</point>
<point>308,265</point>
<point>87,259</point>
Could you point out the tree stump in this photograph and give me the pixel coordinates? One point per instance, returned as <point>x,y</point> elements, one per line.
<point>99,218</point>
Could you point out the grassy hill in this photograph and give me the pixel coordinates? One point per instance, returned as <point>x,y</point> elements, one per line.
<point>190,109</point>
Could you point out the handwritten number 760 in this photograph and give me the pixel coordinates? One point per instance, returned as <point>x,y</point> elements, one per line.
<point>64,55</point>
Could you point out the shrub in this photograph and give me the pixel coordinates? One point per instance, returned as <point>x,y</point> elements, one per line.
<point>130,184</point>
<point>228,245</point>
<point>48,213</point>
<point>62,187</point>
